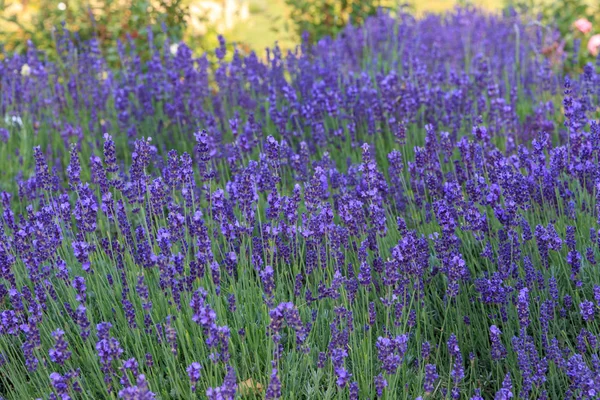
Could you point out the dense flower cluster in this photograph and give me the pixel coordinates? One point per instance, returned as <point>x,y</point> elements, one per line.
<point>409,210</point>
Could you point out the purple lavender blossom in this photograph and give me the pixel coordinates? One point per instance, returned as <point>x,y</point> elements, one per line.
<point>274,389</point>
<point>498,349</point>
<point>193,371</point>
<point>138,392</point>
<point>431,376</point>
<point>59,353</point>
<point>587,310</point>
<point>380,384</point>
<point>505,392</point>
<point>391,352</point>
<point>324,193</point>
<point>523,307</point>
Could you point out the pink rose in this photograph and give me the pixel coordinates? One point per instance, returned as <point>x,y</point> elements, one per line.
<point>593,45</point>
<point>583,25</point>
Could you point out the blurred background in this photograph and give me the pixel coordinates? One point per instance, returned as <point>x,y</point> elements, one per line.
<point>251,24</point>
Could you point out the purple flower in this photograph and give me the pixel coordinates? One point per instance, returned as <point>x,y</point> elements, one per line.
<point>274,389</point>
<point>9,323</point>
<point>193,371</point>
<point>582,378</point>
<point>4,135</point>
<point>322,359</point>
<point>204,315</point>
<point>477,395</point>
<point>74,168</point>
<point>505,392</point>
<point>80,288</point>
<point>458,371</point>
<point>523,307</point>
<point>431,376</point>
<point>59,353</point>
<point>41,169</point>
<point>357,177</point>
<point>456,270</point>
<point>108,349</point>
<point>453,348</point>
<point>597,294</point>
<point>353,391</point>
<point>531,366</point>
<point>171,335</point>
<point>498,349</point>
<point>587,310</point>
<point>391,352</point>
<point>86,209</point>
<point>343,376</point>
<point>227,390</point>
<point>380,384</point>
<point>60,384</point>
<point>287,312</point>
<point>83,321</point>
<point>267,277</point>
<point>425,350</point>
<point>110,156</point>
<point>138,392</point>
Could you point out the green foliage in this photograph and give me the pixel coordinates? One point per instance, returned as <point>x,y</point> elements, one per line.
<point>319,18</point>
<point>561,15</point>
<point>107,20</point>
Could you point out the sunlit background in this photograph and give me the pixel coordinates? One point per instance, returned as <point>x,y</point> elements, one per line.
<point>253,23</point>
<point>247,24</point>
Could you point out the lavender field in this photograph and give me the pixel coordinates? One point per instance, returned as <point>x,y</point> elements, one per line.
<point>407,211</point>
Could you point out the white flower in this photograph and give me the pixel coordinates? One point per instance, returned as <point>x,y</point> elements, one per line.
<point>173,48</point>
<point>13,120</point>
<point>62,6</point>
<point>25,70</point>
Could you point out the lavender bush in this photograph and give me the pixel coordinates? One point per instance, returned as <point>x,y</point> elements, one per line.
<point>408,211</point>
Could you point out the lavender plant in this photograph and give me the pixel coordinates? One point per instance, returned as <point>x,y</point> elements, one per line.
<point>406,211</point>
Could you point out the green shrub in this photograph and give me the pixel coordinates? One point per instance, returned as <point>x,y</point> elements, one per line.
<point>571,45</point>
<point>107,20</point>
<point>319,18</point>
